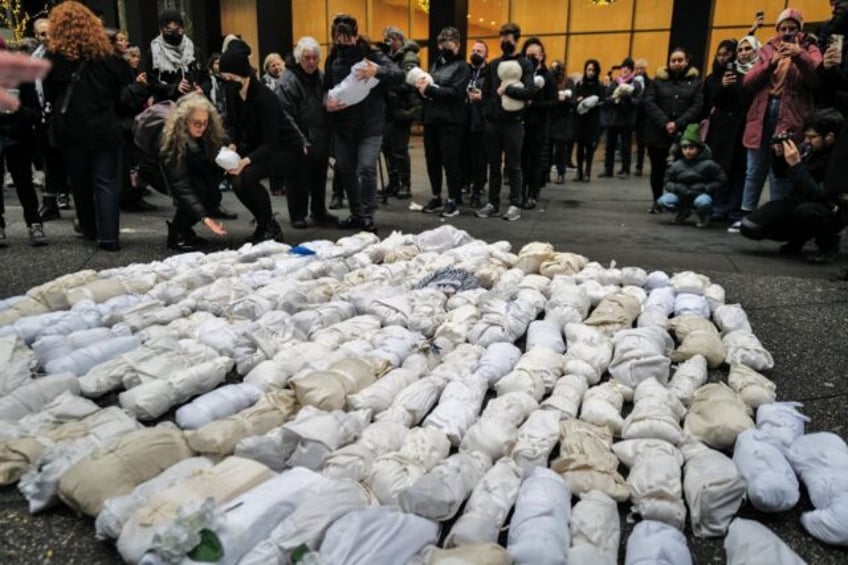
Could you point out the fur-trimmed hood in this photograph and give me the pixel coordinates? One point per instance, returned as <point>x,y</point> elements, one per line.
<point>662,73</point>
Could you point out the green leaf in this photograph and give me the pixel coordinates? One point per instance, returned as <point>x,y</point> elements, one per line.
<point>209,550</point>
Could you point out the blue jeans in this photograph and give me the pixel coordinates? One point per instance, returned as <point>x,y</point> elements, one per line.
<point>356,168</point>
<point>703,203</point>
<point>759,165</point>
<point>97,193</point>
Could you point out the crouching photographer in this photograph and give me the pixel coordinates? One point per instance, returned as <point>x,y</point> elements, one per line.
<point>812,210</point>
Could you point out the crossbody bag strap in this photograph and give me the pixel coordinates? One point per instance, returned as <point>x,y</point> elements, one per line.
<point>75,78</point>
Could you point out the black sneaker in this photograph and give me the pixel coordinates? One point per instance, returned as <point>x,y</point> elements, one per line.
<point>791,248</point>
<point>529,204</point>
<point>36,235</point>
<point>560,179</point>
<point>64,202</point>
<point>682,216</point>
<point>49,210</point>
<point>434,205</point>
<point>325,219</point>
<point>475,202</point>
<point>336,202</point>
<point>299,224</point>
<point>450,210</point>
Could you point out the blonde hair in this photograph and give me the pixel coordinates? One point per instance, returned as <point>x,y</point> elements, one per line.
<point>175,134</point>
<point>272,57</point>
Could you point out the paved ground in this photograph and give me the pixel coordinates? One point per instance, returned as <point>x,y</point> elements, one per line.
<point>798,312</point>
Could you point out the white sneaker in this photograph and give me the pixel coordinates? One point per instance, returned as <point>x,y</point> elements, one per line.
<point>735,227</point>
<point>487,211</point>
<point>512,213</point>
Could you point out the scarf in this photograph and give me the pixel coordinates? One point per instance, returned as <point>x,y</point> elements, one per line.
<point>172,58</point>
<point>621,80</point>
<point>741,67</point>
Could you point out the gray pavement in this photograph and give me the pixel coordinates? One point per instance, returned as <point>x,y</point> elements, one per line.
<point>798,312</point>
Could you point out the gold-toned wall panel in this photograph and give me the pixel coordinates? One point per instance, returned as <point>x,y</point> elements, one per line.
<point>535,18</point>
<point>554,48</point>
<point>239,17</point>
<point>389,13</point>
<point>585,16</point>
<point>653,47</point>
<point>309,18</point>
<point>486,16</point>
<point>356,8</point>
<point>718,35</point>
<point>742,12</point>
<point>653,14</point>
<point>420,23</point>
<point>608,48</point>
<point>813,10</point>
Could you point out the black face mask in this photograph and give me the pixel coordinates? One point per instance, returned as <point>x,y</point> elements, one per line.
<point>477,59</point>
<point>507,48</point>
<point>346,51</point>
<point>447,54</point>
<point>679,73</point>
<point>533,60</point>
<point>173,38</point>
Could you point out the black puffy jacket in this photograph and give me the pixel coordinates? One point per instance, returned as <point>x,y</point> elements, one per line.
<point>543,101</point>
<point>444,100</point>
<point>689,179</point>
<point>301,96</point>
<point>492,109</point>
<point>191,177</point>
<point>671,99</point>
<point>403,105</point>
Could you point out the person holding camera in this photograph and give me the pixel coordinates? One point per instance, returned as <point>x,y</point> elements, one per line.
<point>782,82</point>
<point>834,68</point>
<point>812,209</point>
<point>173,64</point>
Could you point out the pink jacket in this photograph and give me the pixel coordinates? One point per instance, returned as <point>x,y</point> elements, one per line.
<point>797,100</point>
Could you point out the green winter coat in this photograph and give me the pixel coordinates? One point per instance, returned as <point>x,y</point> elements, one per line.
<point>690,179</point>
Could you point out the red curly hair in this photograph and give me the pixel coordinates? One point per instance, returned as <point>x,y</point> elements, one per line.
<point>76,33</point>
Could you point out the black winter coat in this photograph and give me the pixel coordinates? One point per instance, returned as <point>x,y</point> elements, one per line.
<point>477,79</point>
<point>622,111</point>
<point>492,109</point>
<point>192,177</point>
<point>807,177</point>
<point>564,115</point>
<point>727,108</point>
<point>444,100</point>
<point>668,99</point>
<point>164,85</point>
<point>368,117</point>
<point>302,98</point>
<point>91,118</point>
<point>543,102</point>
<point>403,105</point>
<point>18,126</point>
<point>689,179</point>
<point>258,126</point>
<point>588,125</point>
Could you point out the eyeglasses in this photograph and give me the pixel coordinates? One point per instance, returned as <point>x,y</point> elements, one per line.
<point>199,123</point>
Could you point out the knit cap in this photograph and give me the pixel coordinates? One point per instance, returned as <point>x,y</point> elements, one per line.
<point>234,61</point>
<point>790,14</point>
<point>691,136</point>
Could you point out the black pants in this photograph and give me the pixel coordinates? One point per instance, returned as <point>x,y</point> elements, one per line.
<point>249,189</point>
<point>559,154</point>
<point>614,135</point>
<point>19,165</point>
<point>585,155</point>
<point>795,222</point>
<point>443,150</point>
<point>659,164</point>
<point>184,217</point>
<point>477,160</point>
<point>640,146</point>
<point>532,157</point>
<point>504,141</point>
<point>308,187</point>
<point>56,180</point>
<point>396,152</point>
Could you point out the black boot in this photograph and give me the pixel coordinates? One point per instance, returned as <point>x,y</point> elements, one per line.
<point>336,202</point>
<point>179,240</point>
<point>49,209</point>
<point>266,230</point>
<point>403,192</point>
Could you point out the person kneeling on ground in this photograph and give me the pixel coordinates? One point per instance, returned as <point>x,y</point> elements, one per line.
<point>191,138</point>
<point>692,180</point>
<point>810,211</point>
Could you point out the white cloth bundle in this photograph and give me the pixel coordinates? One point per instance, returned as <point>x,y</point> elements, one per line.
<point>689,282</point>
<point>821,460</point>
<point>715,296</point>
<point>153,398</point>
<point>717,415</point>
<point>288,361</point>
<point>377,535</point>
<point>656,414</point>
<point>500,320</point>
<point>655,481</point>
<point>771,482</point>
<point>459,361</point>
<point>219,403</point>
<point>656,543</point>
<point>562,264</point>
<point>487,509</point>
<point>662,299</point>
<point>221,484</point>
<point>586,460</point>
<point>395,344</point>
<point>750,543</point>
<point>535,441</point>
<point>40,485</point>
<point>615,312</point>
<point>635,276</point>
<point>532,255</point>
<point>458,407</point>
<point>322,505</point>
<point>441,239</point>
<point>323,315</point>
<point>713,487</point>
<point>80,361</point>
<point>414,402</point>
<point>220,437</point>
<point>688,377</point>
<point>829,524</point>
<point>239,524</point>
<point>354,460</point>
<point>378,397</point>
<point>328,389</point>
<point>536,372</point>
<point>422,449</point>
<point>116,511</point>
<point>691,304</point>
<point>352,328</point>
<point>498,360</point>
<point>589,352</point>
<point>782,421</point>
<point>657,279</point>
<point>538,530</point>
<point>31,327</point>
<point>305,440</point>
<point>440,492</point>
<point>120,466</point>
<point>227,159</point>
<point>66,407</point>
<point>462,298</point>
<point>595,530</point>
<point>569,302</point>
<point>567,395</point>
<point>495,432</point>
<point>32,396</point>
<point>730,318</point>
<point>652,316</point>
<point>594,271</point>
<point>697,336</point>
<point>743,347</point>
<point>753,388</point>
<point>545,333</point>
<point>602,405</point>
<point>641,353</point>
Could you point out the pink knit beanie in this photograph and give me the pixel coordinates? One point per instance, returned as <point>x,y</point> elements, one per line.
<point>790,14</point>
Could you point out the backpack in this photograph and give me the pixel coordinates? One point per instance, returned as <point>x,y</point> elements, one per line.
<point>147,132</point>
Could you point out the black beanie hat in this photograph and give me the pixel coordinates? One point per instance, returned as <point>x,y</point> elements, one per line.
<point>628,62</point>
<point>234,61</point>
<point>169,16</point>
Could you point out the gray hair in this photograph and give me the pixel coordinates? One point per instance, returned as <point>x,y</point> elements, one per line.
<point>393,31</point>
<point>306,43</point>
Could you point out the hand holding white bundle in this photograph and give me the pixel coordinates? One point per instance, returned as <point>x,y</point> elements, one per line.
<point>227,159</point>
